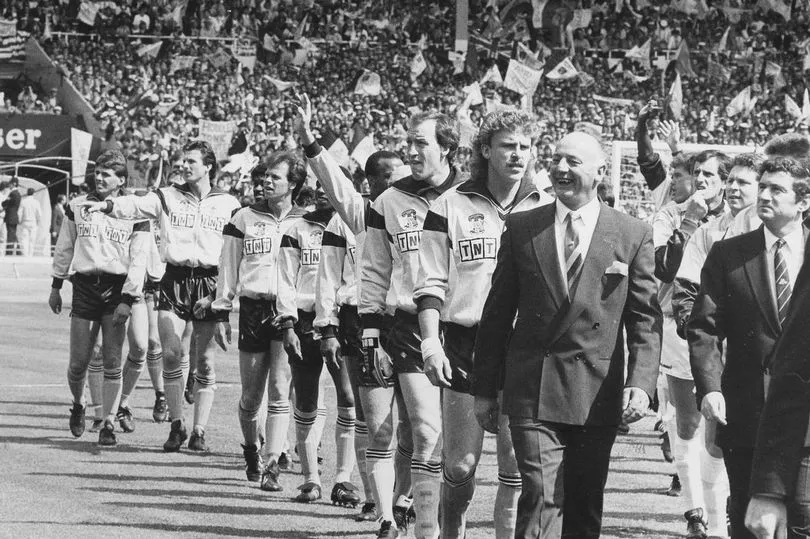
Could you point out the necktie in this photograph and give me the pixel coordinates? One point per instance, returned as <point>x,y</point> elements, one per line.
<point>572,251</point>
<point>783,290</point>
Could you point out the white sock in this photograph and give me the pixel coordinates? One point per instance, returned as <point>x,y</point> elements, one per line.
<point>305,431</point>
<point>427,482</point>
<point>133,367</point>
<point>505,513</point>
<point>360,446</point>
<point>276,427</point>
<point>95,382</point>
<point>380,468</point>
<point>112,393</point>
<point>154,364</point>
<point>344,443</point>
<point>174,384</point>
<point>715,493</point>
<point>687,463</point>
<point>203,402</point>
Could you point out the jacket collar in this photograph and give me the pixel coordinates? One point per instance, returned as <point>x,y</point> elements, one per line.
<point>185,188</point>
<point>478,186</point>
<point>421,189</point>
<point>261,207</point>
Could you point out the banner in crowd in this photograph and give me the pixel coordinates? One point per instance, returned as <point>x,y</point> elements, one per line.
<point>418,65</point>
<point>13,47</point>
<point>80,143</point>
<point>742,103</point>
<point>492,75</point>
<point>88,10</point>
<point>280,85</point>
<point>219,58</point>
<point>676,98</point>
<point>613,100</point>
<point>521,78</point>
<point>33,135</point>
<point>562,71</point>
<point>363,150</point>
<point>181,62</point>
<point>369,83</point>
<point>218,134</point>
<point>150,49</point>
<point>8,27</point>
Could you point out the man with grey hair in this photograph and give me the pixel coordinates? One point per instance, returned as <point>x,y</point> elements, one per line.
<point>571,279</point>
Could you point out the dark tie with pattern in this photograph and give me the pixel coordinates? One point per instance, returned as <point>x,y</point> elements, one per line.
<point>780,273</point>
<point>572,251</point>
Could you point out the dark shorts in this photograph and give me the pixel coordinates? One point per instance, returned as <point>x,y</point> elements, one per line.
<point>310,347</point>
<point>95,296</point>
<point>151,290</point>
<point>350,332</point>
<point>256,329</point>
<point>182,286</point>
<point>459,342</point>
<point>404,343</point>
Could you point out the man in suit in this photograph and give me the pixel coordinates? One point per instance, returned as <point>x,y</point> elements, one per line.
<point>570,276</point>
<point>745,290</point>
<point>12,207</point>
<point>780,473</point>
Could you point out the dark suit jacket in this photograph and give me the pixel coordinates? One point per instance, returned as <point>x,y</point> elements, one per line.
<point>563,361</point>
<point>12,207</point>
<point>735,303</point>
<point>782,434</point>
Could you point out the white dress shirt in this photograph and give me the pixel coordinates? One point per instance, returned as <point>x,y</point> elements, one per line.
<point>793,251</point>
<point>589,214</point>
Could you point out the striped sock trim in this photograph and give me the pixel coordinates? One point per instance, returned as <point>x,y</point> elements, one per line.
<point>305,418</point>
<point>345,422</point>
<point>420,466</point>
<point>173,375</point>
<point>278,409</point>
<point>95,367</point>
<point>379,454</point>
<point>360,428</point>
<point>153,357</point>
<point>205,380</point>
<point>321,412</point>
<point>452,483</point>
<point>407,453</point>
<point>510,480</point>
<point>115,374</point>
<point>138,363</point>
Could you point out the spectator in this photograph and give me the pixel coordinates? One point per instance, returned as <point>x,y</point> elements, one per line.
<point>30,217</point>
<point>11,205</point>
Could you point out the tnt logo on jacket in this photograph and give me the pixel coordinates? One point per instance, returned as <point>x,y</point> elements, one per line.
<point>312,255</point>
<point>409,239</point>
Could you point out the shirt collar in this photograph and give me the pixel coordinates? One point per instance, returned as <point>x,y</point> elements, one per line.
<point>589,212</point>
<point>794,240</point>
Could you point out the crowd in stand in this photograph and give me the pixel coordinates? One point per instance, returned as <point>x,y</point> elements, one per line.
<point>127,88</point>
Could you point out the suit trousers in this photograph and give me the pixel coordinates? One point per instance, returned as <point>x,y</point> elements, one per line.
<point>563,470</point>
<point>798,511</point>
<point>738,462</point>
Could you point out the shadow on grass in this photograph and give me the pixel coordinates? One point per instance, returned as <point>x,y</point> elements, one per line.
<point>201,529</point>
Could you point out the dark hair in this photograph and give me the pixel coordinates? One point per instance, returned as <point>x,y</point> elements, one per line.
<point>684,160</point>
<point>258,173</point>
<point>115,161</point>
<point>207,153</point>
<point>446,131</point>
<point>748,160</point>
<point>305,197</point>
<point>788,145</point>
<point>723,162</point>
<point>31,191</point>
<point>373,168</point>
<point>297,173</point>
<point>793,167</point>
<point>4,185</point>
<point>494,122</point>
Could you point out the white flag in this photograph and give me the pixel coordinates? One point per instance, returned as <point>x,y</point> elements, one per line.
<point>492,75</point>
<point>741,103</point>
<point>363,150</point>
<point>723,45</point>
<point>562,71</point>
<point>418,65</point>
<point>792,108</point>
<point>80,142</point>
<point>473,90</point>
<point>521,78</point>
<point>806,105</point>
<point>247,61</point>
<point>279,84</point>
<point>806,64</point>
<point>151,49</point>
<point>88,12</point>
<point>640,53</point>
<point>369,83</point>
